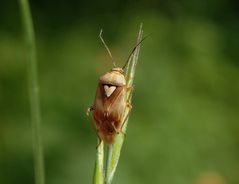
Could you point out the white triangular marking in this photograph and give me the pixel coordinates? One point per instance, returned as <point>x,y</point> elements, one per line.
<point>109,90</point>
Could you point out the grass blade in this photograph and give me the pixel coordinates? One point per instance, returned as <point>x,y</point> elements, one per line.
<point>115,149</point>
<point>98,177</point>
<point>33,90</point>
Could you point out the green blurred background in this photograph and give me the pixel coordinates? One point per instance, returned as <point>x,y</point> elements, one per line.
<point>184,127</point>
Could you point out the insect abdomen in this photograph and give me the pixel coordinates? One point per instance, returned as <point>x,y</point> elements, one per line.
<point>108,126</point>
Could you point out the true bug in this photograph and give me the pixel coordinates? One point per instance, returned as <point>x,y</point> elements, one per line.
<point>111,100</point>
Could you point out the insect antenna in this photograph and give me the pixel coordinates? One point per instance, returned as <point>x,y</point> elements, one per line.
<point>108,50</point>
<point>132,52</point>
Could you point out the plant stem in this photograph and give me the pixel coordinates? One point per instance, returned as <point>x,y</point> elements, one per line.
<point>34,91</point>
<point>98,177</point>
<point>115,149</point>
<point>131,70</point>
<point>108,164</point>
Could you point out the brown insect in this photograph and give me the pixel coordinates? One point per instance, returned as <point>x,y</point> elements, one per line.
<point>111,101</point>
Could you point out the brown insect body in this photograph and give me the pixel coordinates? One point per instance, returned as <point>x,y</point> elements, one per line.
<point>109,105</point>
<point>111,100</point>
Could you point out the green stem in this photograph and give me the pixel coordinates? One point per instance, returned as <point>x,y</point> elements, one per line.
<point>108,178</point>
<point>33,90</point>
<point>131,71</point>
<point>98,177</point>
<point>115,149</point>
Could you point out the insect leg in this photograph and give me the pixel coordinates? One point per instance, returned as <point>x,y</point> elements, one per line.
<point>125,119</point>
<point>121,131</point>
<point>89,110</point>
<point>130,88</point>
<point>128,103</point>
<point>115,129</point>
<point>100,141</point>
<point>129,106</point>
<point>130,91</point>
